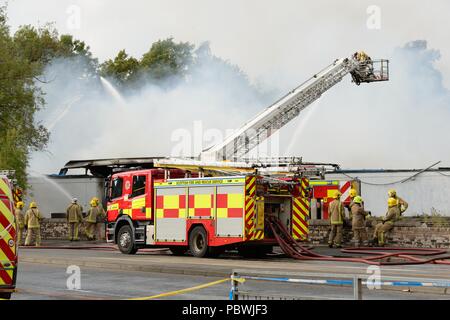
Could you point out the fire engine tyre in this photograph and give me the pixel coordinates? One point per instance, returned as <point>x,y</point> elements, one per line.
<point>125,240</point>
<point>198,242</point>
<point>5,295</point>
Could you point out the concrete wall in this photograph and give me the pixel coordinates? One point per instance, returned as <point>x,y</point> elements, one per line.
<point>407,233</point>
<point>427,193</point>
<point>53,193</point>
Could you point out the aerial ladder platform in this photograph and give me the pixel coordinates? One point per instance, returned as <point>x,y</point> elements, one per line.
<point>230,153</point>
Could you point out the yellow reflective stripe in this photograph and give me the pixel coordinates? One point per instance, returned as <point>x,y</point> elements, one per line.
<point>159,213</point>
<point>113,207</point>
<point>199,182</point>
<point>138,203</point>
<point>222,213</point>
<point>235,200</point>
<point>171,202</point>
<point>127,211</point>
<point>323,183</point>
<point>148,213</point>
<point>202,201</point>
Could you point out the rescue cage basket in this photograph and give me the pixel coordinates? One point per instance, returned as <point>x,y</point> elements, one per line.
<point>372,71</point>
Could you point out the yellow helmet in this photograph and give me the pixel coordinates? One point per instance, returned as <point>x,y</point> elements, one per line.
<point>337,194</point>
<point>33,205</point>
<point>392,193</point>
<point>93,203</point>
<point>392,202</point>
<point>20,204</point>
<point>96,200</point>
<point>358,200</point>
<point>353,192</point>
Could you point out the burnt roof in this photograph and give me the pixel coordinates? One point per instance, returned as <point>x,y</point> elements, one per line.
<point>105,167</point>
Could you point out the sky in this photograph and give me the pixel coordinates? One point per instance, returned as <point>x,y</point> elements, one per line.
<point>281,43</point>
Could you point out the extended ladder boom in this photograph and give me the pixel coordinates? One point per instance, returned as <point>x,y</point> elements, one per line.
<point>287,108</point>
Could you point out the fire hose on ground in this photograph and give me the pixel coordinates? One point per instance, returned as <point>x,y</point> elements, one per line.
<point>376,256</point>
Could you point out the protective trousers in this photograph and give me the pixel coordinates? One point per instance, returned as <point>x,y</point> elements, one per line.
<point>19,235</point>
<point>336,234</point>
<point>380,232</point>
<point>90,230</point>
<point>33,232</point>
<point>73,230</point>
<point>359,235</point>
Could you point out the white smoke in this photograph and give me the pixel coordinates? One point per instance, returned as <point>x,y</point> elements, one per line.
<point>88,119</point>
<point>400,123</point>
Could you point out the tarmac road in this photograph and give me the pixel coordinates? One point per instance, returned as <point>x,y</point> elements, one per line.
<point>49,282</point>
<point>112,275</point>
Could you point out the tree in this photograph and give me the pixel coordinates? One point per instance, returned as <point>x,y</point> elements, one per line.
<point>123,68</point>
<point>166,59</point>
<point>19,101</point>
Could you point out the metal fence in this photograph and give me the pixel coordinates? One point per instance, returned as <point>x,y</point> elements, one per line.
<point>357,282</point>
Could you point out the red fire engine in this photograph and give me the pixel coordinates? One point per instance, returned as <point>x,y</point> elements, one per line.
<point>205,215</point>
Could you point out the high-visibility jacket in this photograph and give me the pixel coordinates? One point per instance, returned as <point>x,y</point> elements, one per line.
<point>20,218</point>
<point>336,212</point>
<point>392,215</point>
<point>359,215</point>
<point>74,213</point>
<point>95,214</point>
<point>33,218</point>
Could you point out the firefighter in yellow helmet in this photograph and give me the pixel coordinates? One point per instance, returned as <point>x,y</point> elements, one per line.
<point>336,213</point>
<point>353,193</point>
<point>358,221</point>
<point>74,217</point>
<point>94,218</point>
<point>33,218</point>
<point>20,221</point>
<point>402,204</point>
<point>392,215</point>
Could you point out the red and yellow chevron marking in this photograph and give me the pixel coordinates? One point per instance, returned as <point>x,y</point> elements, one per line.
<point>250,186</point>
<point>7,234</point>
<point>249,217</point>
<point>300,213</point>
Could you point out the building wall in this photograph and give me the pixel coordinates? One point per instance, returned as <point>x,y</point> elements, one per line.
<point>53,193</point>
<point>426,193</point>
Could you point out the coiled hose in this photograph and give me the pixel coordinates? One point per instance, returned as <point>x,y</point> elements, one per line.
<point>377,256</point>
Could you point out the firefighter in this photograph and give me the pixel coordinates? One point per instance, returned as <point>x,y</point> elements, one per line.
<point>337,216</point>
<point>94,218</point>
<point>33,220</point>
<point>100,219</point>
<point>392,215</point>
<point>74,217</point>
<point>402,204</point>
<point>358,221</point>
<point>20,220</point>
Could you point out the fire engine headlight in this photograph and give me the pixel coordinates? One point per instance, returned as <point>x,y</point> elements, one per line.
<point>11,242</point>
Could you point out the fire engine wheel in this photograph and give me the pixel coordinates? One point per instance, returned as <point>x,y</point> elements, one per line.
<point>198,242</point>
<point>125,240</point>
